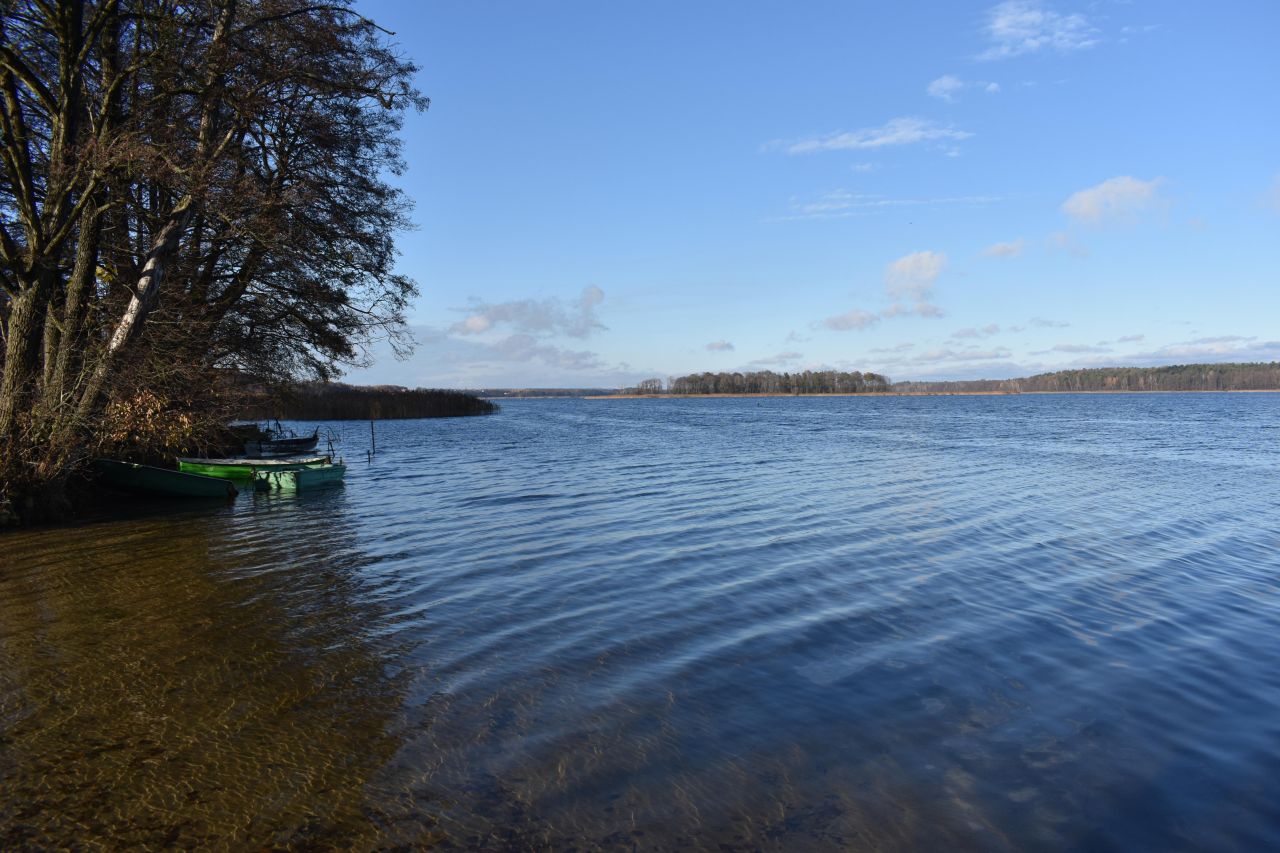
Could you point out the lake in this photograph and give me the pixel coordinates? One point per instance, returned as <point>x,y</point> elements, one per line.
<point>996,623</point>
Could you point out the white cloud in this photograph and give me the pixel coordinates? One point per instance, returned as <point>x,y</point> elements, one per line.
<point>720,346</point>
<point>897,131</point>
<point>976,332</point>
<point>522,347</point>
<point>864,167</point>
<point>948,86</point>
<point>910,279</point>
<point>1044,323</point>
<point>1004,250</point>
<point>912,276</point>
<point>1129,339</point>
<point>945,87</point>
<point>854,319</point>
<point>551,316</point>
<point>1018,27</point>
<point>909,282</point>
<point>1121,198</point>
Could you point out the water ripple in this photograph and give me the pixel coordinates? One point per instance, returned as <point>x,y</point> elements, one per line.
<point>895,623</point>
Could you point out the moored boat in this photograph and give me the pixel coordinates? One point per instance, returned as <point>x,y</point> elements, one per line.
<point>246,469</point>
<point>147,479</point>
<point>283,446</point>
<point>298,479</point>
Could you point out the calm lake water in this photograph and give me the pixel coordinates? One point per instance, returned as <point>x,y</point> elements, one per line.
<point>996,623</point>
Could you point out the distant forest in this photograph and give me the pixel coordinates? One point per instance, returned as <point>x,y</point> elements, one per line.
<point>1262,376</point>
<point>768,382</point>
<point>334,401</point>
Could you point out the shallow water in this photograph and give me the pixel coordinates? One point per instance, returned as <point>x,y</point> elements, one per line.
<point>997,623</point>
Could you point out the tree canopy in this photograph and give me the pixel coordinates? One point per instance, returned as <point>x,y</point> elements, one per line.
<point>188,189</point>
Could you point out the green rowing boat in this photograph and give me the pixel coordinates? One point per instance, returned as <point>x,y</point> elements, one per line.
<point>246,469</point>
<point>298,479</point>
<point>146,479</point>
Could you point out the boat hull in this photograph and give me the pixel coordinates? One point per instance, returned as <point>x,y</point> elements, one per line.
<point>149,480</point>
<point>245,469</point>
<point>300,479</point>
<point>282,446</point>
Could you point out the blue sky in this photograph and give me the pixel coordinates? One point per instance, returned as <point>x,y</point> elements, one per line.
<point>607,191</point>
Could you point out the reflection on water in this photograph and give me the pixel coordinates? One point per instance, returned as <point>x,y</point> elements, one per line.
<point>176,681</point>
<point>989,623</point>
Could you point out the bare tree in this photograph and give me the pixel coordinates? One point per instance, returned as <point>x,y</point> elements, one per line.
<point>186,190</point>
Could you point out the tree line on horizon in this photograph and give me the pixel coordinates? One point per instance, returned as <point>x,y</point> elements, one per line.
<point>768,382</point>
<point>336,401</point>
<point>1250,376</point>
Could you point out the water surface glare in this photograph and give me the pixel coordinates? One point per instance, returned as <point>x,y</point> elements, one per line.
<point>997,623</point>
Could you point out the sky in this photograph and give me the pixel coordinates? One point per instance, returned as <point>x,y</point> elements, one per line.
<point>610,191</point>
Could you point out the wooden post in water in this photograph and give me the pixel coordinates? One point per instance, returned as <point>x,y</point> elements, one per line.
<point>373,441</point>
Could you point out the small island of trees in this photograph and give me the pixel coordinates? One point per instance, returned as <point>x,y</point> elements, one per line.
<point>768,382</point>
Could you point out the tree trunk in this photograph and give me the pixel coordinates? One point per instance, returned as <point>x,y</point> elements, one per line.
<point>144,299</point>
<point>79,293</point>
<point>22,351</point>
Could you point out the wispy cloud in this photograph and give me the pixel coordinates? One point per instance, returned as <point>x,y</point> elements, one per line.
<point>1123,339</point>
<point>948,87</point>
<point>780,358</point>
<point>1128,32</point>
<point>1075,349</point>
<point>937,355</point>
<point>552,316</point>
<point>864,167</point>
<point>1211,349</point>
<point>918,309</point>
<point>1115,199</point>
<point>976,331</point>
<point>1045,323</point>
<point>905,130</point>
<point>720,346</point>
<point>1062,241</point>
<point>1271,199</point>
<point>851,320</point>
<point>842,203</point>
<point>1011,249</point>
<point>1018,27</point>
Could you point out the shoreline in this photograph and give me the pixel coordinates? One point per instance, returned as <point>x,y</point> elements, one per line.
<point>913,394</point>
